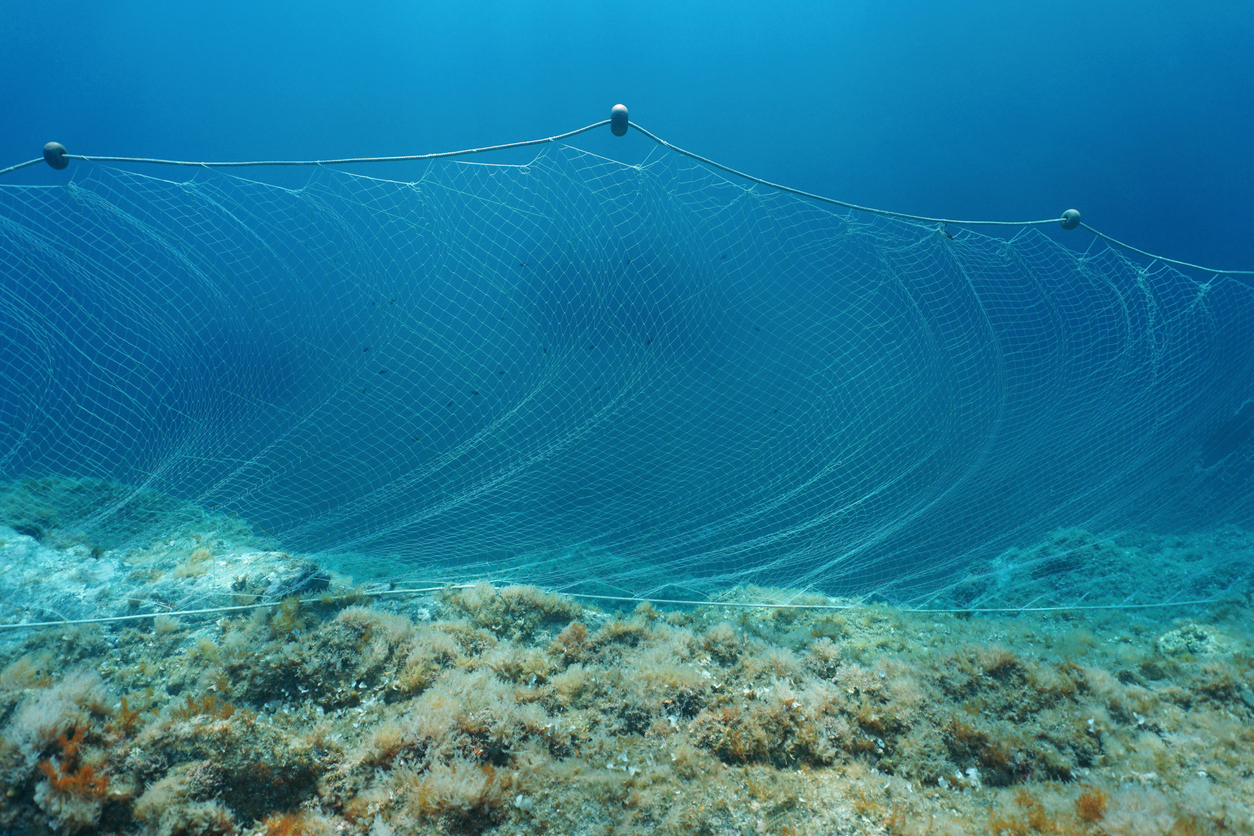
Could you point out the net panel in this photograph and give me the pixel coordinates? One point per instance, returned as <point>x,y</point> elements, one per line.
<point>634,379</point>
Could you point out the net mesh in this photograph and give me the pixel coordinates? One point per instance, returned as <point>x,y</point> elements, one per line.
<point>637,379</point>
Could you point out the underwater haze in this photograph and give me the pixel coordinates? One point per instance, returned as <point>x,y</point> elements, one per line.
<point>612,365</point>
<point>588,488</point>
<point>1135,113</point>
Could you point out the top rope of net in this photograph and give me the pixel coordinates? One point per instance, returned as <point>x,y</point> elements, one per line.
<point>56,155</point>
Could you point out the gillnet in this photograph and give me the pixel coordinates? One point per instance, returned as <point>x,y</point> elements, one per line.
<point>642,380</point>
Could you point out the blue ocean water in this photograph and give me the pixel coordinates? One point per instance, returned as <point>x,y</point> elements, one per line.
<point>756,386</point>
<point>1136,113</point>
<point>654,380</point>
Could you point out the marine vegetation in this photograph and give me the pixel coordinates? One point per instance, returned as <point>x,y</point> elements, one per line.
<point>485,710</point>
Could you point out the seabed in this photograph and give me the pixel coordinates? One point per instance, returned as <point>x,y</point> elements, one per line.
<point>511,710</point>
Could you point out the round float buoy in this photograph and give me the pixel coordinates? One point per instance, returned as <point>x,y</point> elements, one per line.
<point>618,119</point>
<point>54,155</point>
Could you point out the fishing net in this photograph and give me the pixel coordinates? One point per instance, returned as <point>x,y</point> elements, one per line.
<point>642,380</point>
